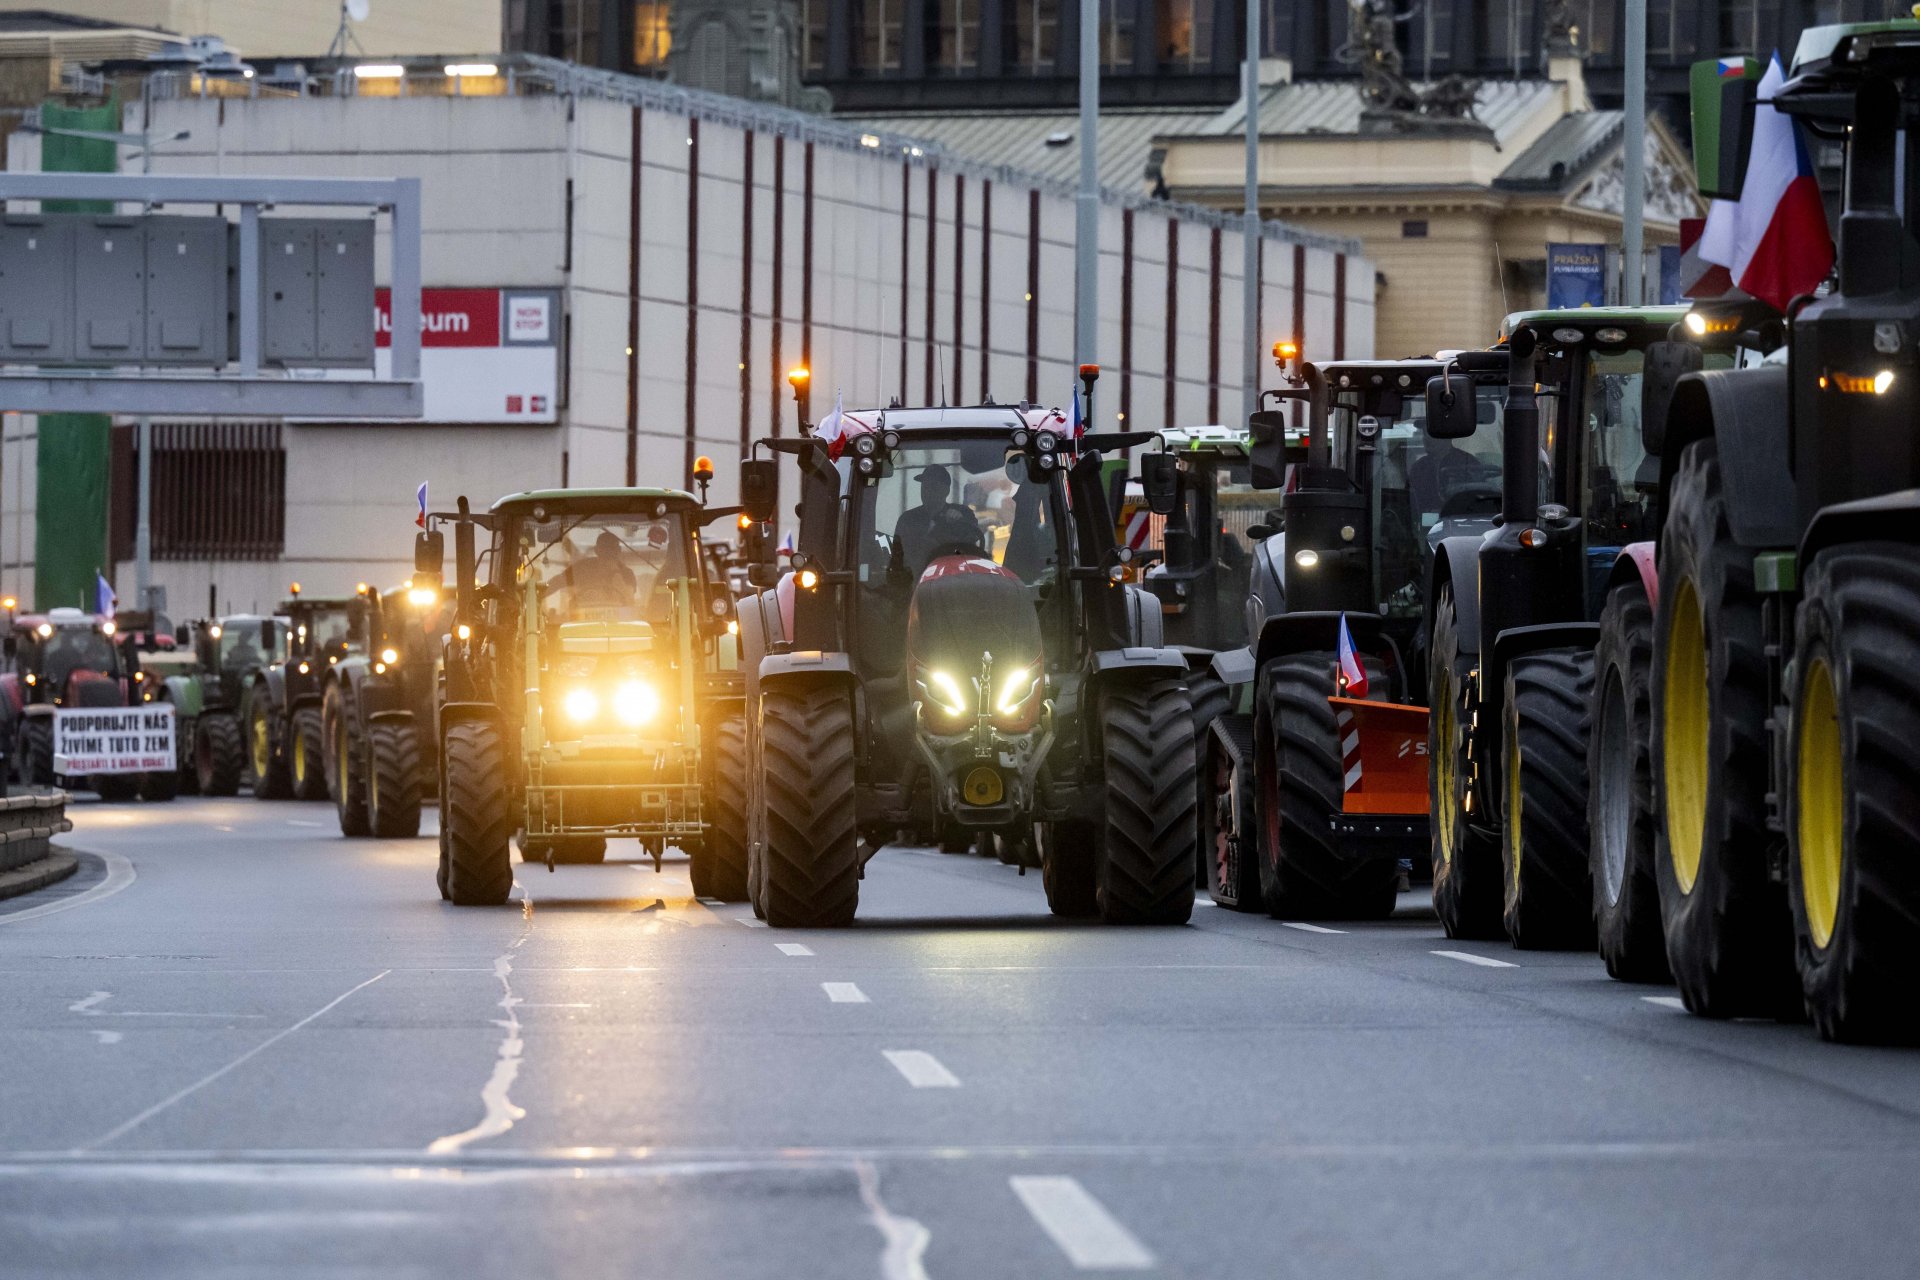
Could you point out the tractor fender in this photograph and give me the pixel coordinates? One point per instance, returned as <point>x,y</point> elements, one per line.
<point>1267,584</point>
<point>10,691</point>
<point>1153,658</point>
<point>275,678</point>
<point>1515,642</point>
<point>761,627</point>
<point>391,716</point>
<point>1146,625</point>
<point>1747,409</point>
<point>1887,518</point>
<point>36,710</point>
<point>1235,667</point>
<point>807,664</point>
<point>1635,563</point>
<point>185,695</point>
<point>452,713</point>
<point>1457,560</point>
<point>1319,631</point>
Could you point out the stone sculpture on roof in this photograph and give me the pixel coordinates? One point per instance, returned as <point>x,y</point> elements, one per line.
<point>1392,101</point>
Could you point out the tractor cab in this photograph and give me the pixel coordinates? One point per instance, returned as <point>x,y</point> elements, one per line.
<point>323,628</point>
<point>1205,541</point>
<point>230,649</point>
<point>64,657</point>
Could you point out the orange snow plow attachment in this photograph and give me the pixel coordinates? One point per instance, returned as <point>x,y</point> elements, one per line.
<point>1384,757</point>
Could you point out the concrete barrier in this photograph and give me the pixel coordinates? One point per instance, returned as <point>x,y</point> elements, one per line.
<point>28,823</point>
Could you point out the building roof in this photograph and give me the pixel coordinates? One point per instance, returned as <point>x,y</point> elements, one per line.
<point>1334,107</point>
<point>1047,143</point>
<point>1569,147</point>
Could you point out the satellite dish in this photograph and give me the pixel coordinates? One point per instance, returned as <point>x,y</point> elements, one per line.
<point>358,9</point>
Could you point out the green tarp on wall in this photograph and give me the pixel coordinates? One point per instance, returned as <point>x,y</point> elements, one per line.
<point>70,524</point>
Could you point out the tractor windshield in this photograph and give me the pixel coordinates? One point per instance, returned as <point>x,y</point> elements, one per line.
<point>71,649</point>
<point>612,568</point>
<point>971,497</point>
<point>248,643</point>
<point>325,631</point>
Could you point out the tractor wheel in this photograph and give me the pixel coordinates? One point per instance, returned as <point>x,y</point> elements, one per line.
<point>1148,831</point>
<point>160,787</point>
<point>346,762</point>
<point>1069,866</point>
<point>114,787</point>
<point>1229,850</point>
<point>1729,932</point>
<point>186,772</point>
<point>219,757</point>
<point>1299,784</point>
<point>270,780</point>
<point>307,768</point>
<point>568,851</point>
<point>1466,859</point>
<point>1211,699</point>
<point>35,753</point>
<point>443,870</point>
<point>476,816</point>
<point>812,870</point>
<point>1852,824</point>
<point>1549,889</point>
<point>1626,898</point>
<point>718,865</point>
<point>393,780</point>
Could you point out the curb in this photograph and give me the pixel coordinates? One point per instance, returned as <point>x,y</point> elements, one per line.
<point>56,866</point>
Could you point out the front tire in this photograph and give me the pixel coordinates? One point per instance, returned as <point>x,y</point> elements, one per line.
<point>1466,859</point>
<point>219,758</point>
<point>1148,831</point>
<point>1620,817</point>
<point>393,780</point>
<point>476,817</point>
<point>36,751</point>
<point>1549,889</point>
<point>718,864</point>
<point>1728,930</point>
<point>1852,823</point>
<point>307,768</point>
<point>1069,867</point>
<point>270,775</point>
<point>811,875</point>
<point>346,763</point>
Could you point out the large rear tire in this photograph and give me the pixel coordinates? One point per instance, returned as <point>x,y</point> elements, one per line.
<point>1728,930</point>
<point>1466,858</point>
<point>812,869</point>
<point>1853,823</point>
<point>1229,845</point>
<point>1211,699</point>
<point>1148,831</point>
<point>219,756</point>
<point>476,816</point>
<point>1069,867</point>
<point>393,780</point>
<point>718,864</point>
<point>1626,897</point>
<point>307,747</point>
<point>1549,888</point>
<point>346,761</point>
<point>36,751</point>
<point>1299,786</point>
<point>270,774</point>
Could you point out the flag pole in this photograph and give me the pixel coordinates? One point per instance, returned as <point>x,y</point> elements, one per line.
<point>1250,255</point>
<point>1632,229</point>
<point>1086,239</point>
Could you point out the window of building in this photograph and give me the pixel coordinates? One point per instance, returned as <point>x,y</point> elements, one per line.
<point>219,490</point>
<point>1670,28</point>
<point>1414,229</point>
<point>1598,22</point>
<point>574,27</point>
<point>1506,34</point>
<point>1186,35</point>
<point>1827,12</point>
<point>813,35</point>
<point>1431,36</point>
<point>1035,29</point>
<point>652,34</point>
<point>1276,29</point>
<point>1116,34</point>
<point>955,43</point>
<point>1748,26</point>
<point>876,45</point>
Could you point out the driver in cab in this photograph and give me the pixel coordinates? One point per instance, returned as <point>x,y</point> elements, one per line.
<point>935,524</point>
<point>1438,473</point>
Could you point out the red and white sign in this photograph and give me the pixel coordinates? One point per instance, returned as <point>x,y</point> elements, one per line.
<point>89,740</point>
<point>486,355</point>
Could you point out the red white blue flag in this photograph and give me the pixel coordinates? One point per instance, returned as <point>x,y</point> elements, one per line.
<point>420,498</point>
<point>1353,673</point>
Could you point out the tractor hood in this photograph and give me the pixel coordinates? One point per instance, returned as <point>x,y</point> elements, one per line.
<point>969,614</point>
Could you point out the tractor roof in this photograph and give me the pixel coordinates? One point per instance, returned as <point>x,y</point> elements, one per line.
<point>595,501</point>
<point>1595,318</point>
<point>1847,50</point>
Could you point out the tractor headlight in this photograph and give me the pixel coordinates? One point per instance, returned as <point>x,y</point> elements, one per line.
<point>421,597</point>
<point>389,655</point>
<point>580,704</point>
<point>635,702</point>
<point>1015,690</point>
<point>1306,557</point>
<point>947,693</point>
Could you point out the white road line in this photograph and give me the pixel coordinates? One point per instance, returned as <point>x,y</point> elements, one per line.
<point>922,1069</point>
<point>794,948</point>
<point>751,923</point>
<point>119,876</point>
<point>844,993</point>
<point>1091,1237</point>
<point>1304,927</point>
<point>86,1006</point>
<point>1667,1002</point>
<point>122,1130</point>
<point>302,822</point>
<point>107,1037</point>
<point>1484,961</point>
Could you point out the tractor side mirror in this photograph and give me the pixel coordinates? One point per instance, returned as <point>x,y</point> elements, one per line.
<point>1721,102</point>
<point>429,556</point>
<point>763,574</point>
<point>1267,448</point>
<point>1160,477</point>
<point>760,488</point>
<point>1450,407</point>
<point>269,636</point>
<point>1666,362</point>
<point>1260,532</point>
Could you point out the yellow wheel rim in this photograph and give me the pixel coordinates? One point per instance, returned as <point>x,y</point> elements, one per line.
<point>1512,832</point>
<point>259,745</point>
<point>1820,793</point>
<point>1685,761</point>
<point>1445,766</point>
<point>299,765</point>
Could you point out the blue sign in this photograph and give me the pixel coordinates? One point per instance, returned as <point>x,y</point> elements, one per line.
<point>1669,274</point>
<point>1576,275</point>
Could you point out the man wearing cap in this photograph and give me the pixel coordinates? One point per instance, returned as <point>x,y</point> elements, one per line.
<point>920,530</point>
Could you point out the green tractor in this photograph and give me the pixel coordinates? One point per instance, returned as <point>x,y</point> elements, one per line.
<point>284,729</point>
<point>213,700</point>
<point>591,688</point>
<point>376,709</point>
<point>1785,697</point>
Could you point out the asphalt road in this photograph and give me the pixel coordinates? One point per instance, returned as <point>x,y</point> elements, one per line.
<point>238,1045</point>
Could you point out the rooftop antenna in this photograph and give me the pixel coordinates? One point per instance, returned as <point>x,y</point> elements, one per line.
<point>940,358</point>
<point>345,43</point>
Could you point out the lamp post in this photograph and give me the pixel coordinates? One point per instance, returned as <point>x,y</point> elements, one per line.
<point>1086,239</point>
<point>1250,266</point>
<point>1632,227</point>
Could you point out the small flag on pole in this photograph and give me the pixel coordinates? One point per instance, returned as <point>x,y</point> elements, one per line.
<point>1076,424</point>
<point>838,427</point>
<point>104,600</point>
<point>1353,673</point>
<point>420,496</point>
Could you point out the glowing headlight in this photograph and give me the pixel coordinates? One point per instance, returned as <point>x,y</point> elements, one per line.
<point>422,596</point>
<point>213,631</point>
<point>107,628</point>
<point>1014,691</point>
<point>1306,557</point>
<point>304,668</point>
<point>947,692</point>
<point>389,655</point>
<point>580,704</point>
<point>635,703</point>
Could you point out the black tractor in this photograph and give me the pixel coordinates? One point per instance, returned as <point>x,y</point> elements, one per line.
<point>959,651</point>
<point>212,699</point>
<point>285,733</point>
<point>377,699</point>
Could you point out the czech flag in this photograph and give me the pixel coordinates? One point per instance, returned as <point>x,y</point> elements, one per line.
<point>420,497</point>
<point>838,427</point>
<point>1076,423</point>
<point>1353,672</point>
<point>105,602</point>
<point>1774,240</point>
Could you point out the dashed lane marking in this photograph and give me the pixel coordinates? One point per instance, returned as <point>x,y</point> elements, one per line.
<point>922,1069</point>
<point>751,923</point>
<point>1667,1002</point>
<point>1092,1238</point>
<point>844,993</point>
<point>1467,957</point>
<point>794,948</point>
<point>1304,927</point>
